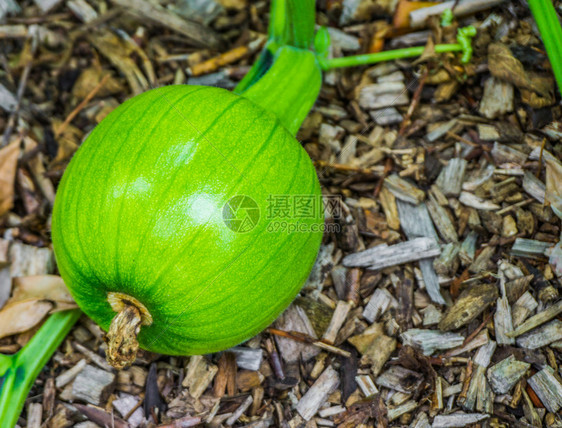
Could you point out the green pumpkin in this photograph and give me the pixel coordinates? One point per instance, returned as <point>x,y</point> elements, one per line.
<point>143,210</point>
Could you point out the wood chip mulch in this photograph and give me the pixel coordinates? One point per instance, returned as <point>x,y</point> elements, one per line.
<point>435,299</point>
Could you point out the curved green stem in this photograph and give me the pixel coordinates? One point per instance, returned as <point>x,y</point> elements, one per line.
<point>18,371</point>
<point>286,78</point>
<point>300,23</point>
<point>551,33</point>
<point>277,21</point>
<point>292,23</point>
<point>5,363</point>
<point>290,87</point>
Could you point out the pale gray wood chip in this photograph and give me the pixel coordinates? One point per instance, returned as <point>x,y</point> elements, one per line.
<point>451,177</point>
<point>404,252</point>
<point>542,336</point>
<point>318,393</point>
<point>460,8</point>
<point>548,388</point>
<point>247,358</point>
<point>458,419</point>
<point>93,385</point>
<point>430,341</point>
<point>504,375</point>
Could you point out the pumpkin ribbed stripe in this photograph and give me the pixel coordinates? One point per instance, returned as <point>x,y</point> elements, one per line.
<point>170,185</point>
<point>146,146</point>
<point>73,198</point>
<point>108,175</point>
<point>256,239</point>
<point>77,215</point>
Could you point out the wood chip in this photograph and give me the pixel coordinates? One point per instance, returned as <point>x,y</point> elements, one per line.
<point>381,95</point>
<point>471,303</point>
<point>530,248</point>
<point>459,8</point>
<point>403,189</point>
<point>295,319</point>
<point>200,374</point>
<point>366,385</point>
<point>548,388</point>
<point>93,385</point>
<point>458,419</point>
<point>405,252</point>
<point>538,319</point>
<point>534,187</point>
<point>338,318</point>
<point>416,222</point>
<point>542,336</point>
<point>452,176</point>
<point>473,201</point>
<point>504,375</point>
<point>198,33</point>
<point>430,341</point>
<point>503,321</point>
<point>497,99</point>
<point>240,410</point>
<point>400,379</point>
<point>68,375</point>
<point>247,358</point>
<point>379,302</point>
<point>318,393</point>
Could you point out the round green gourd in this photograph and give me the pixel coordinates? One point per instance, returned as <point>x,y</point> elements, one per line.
<point>139,211</point>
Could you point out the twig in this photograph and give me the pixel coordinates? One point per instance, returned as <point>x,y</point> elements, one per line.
<point>387,170</point>
<point>461,139</point>
<point>518,204</point>
<point>80,106</point>
<point>135,407</point>
<point>478,330</point>
<point>345,168</point>
<point>304,338</point>
<point>415,101</point>
<point>21,89</point>
<point>540,157</point>
<point>275,359</point>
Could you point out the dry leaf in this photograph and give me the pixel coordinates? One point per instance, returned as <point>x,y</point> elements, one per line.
<point>118,52</point>
<point>428,52</point>
<point>18,317</point>
<point>37,168</point>
<point>42,287</point>
<point>533,99</point>
<point>90,78</point>
<point>68,141</point>
<point>27,191</point>
<point>554,185</point>
<point>8,163</point>
<point>505,66</point>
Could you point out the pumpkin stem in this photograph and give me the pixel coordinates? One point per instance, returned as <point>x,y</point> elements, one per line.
<point>122,337</point>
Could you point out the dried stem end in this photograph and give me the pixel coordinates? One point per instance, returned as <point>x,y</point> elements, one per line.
<point>121,338</point>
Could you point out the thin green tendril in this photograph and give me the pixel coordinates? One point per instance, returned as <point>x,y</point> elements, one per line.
<point>464,45</point>
<point>464,38</point>
<point>447,18</point>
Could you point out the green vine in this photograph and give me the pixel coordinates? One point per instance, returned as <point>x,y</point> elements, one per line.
<point>18,371</point>
<point>549,26</point>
